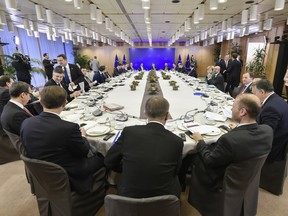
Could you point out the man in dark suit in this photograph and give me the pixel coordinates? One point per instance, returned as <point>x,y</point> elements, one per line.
<point>181,69</point>
<point>147,156</point>
<point>246,86</point>
<point>217,79</point>
<point>117,70</point>
<point>48,65</point>
<point>223,64</point>
<point>72,73</point>
<point>88,83</point>
<point>7,151</point>
<point>57,80</point>
<point>48,137</point>
<point>22,66</point>
<point>233,74</point>
<point>14,112</point>
<point>101,76</point>
<point>245,142</point>
<point>274,113</point>
<point>5,83</point>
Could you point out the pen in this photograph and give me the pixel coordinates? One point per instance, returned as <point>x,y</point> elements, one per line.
<point>116,137</point>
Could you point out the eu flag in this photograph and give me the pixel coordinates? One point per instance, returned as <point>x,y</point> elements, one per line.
<point>179,59</point>
<point>124,60</point>
<point>116,61</point>
<point>187,64</point>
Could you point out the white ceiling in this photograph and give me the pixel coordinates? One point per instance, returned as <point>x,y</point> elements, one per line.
<point>128,16</point>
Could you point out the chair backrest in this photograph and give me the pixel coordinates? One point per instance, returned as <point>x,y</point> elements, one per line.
<point>273,175</point>
<point>168,205</point>
<point>51,184</point>
<point>240,187</point>
<point>16,142</point>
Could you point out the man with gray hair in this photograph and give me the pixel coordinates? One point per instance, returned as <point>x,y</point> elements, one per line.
<point>217,79</point>
<point>274,113</point>
<point>148,156</point>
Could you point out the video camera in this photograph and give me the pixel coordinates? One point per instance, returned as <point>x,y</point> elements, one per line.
<point>54,61</point>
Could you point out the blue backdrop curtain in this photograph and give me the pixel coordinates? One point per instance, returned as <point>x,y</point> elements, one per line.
<point>34,48</point>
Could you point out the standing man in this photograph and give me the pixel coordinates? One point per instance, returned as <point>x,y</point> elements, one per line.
<point>216,79</point>
<point>148,156</point>
<point>22,66</point>
<point>94,64</point>
<point>72,73</point>
<point>246,86</point>
<point>48,65</point>
<point>245,142</point>
<point>57,80</point>
<point>233,74</point>
<point>48,137</point>
<point>14,112</point>
<point>274,113</point>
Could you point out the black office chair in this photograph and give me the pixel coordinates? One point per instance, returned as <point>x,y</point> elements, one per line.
<point>239,195</point>
<point>168,205</point>
<point>7,151</point>
<point>52,189</point>
<point>16,142</point>
<point>273,175</point>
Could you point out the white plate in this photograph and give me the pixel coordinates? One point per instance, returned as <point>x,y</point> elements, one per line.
<point>72,117</point>
<point>83,97</point>
<point>98,130</point>
<point>206,129</point>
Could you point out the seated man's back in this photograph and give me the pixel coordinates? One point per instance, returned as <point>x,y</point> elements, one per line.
<point>48,137</point>
<point>149,157</point>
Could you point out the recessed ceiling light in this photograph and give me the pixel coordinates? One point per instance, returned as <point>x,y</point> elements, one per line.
<point>175,1</point>
<point>249,2</point>
<point>167,21</point>
<point>163,31</point>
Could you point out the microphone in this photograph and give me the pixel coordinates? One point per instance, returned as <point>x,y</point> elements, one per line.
<point>121,117</point>
<point>189,118</point>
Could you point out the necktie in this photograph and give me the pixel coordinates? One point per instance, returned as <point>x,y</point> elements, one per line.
<point>27,111</point>
<point>66,75</point>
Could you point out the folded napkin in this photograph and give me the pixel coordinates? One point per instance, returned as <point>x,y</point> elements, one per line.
<point>204,129</point>
<point>227,111</point>
<point>215,116</point>
<point>98,130</point>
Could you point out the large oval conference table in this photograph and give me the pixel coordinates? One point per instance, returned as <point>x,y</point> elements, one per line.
<point>194,106</point>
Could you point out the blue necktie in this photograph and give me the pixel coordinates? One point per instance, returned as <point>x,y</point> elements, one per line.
<point>66,76</point>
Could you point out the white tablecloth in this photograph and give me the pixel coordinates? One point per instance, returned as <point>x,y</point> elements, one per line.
<point>180,101</point>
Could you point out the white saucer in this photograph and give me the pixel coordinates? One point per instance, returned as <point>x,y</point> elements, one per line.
<point>98,130</point>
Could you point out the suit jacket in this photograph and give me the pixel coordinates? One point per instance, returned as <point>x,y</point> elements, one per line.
<point>239,90</point>
<point>217,81</point>
<point>99,77</point>
<point>275,114</point>
<point>242,143</point>
<point>4,98</point>
<point>49,67</point>
<point>116,72</point>
<point>76,75</point>
<point>233,72</point>
<point>149,157</point>
<point>51,82</point>
<point>12,118</point>
<point>47,137</point>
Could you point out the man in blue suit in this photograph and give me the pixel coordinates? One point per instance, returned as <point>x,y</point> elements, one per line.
<point>274,113</point>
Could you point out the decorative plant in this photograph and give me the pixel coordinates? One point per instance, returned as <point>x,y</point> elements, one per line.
<point>235,48</point>
<point>82,60</point>
<point>256,66</point>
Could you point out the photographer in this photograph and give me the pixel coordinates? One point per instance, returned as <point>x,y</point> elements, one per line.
<point>48,65</point>
<point>22,65</point>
